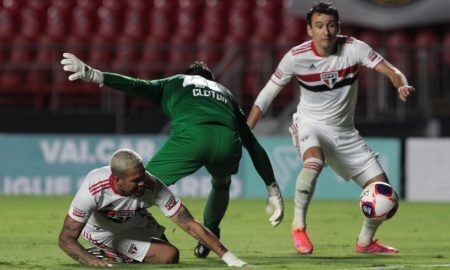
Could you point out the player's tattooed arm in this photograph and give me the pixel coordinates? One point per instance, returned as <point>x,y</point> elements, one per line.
<point>185,220</point>
<point>68,242</point>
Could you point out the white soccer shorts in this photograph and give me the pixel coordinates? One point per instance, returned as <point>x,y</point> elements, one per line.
<point>345,150</point>
<point>130,244</point>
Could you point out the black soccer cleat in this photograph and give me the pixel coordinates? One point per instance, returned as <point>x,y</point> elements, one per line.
<point>201,251</point>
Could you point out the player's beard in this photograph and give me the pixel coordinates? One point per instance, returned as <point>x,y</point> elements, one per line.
<point>139,192</point>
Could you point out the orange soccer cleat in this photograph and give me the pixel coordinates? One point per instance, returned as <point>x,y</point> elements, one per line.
<point>301,241</point>
<point>375,247</point>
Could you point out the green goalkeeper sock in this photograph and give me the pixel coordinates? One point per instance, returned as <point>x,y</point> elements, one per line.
<point>216,206</point>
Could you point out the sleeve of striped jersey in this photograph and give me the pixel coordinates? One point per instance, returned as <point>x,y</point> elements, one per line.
<point>367,56</point>
<point>82,204</point>
<point>167,202</point>
<point>284,71</point>
<point>267,94</point>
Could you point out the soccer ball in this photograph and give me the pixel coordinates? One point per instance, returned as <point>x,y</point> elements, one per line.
<point>378,201</point>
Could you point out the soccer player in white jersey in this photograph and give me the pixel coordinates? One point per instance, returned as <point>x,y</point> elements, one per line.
<point>110,211</point>
<point>326,69</point>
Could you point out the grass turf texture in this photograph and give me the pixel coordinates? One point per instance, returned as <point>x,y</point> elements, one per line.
<point>29,229</point>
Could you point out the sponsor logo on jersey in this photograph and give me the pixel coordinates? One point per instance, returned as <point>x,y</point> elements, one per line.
<point>132,249</point>
<point>125,213</point>
<point>170,203</point>
<point>78,213</point>
<point>329,78</point>
<point>120,216</point>
<point>278,74</point>
<point>372,56</point>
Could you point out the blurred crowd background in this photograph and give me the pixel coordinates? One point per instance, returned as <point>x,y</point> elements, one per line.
<point>242,40</point>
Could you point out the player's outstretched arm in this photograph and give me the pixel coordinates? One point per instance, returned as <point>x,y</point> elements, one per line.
<point>80,71</point>
<point>68,242</point>
<point>262,164</point>
<point>185,220</point>
<point>397,78</point>
<point>254,116</point>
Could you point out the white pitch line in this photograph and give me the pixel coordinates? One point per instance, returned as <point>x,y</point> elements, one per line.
<point>401,266</point>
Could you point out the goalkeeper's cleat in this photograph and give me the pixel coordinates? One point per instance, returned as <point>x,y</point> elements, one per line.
<point>375,247</point>
<point>201,251</point>
<point>301,241</point>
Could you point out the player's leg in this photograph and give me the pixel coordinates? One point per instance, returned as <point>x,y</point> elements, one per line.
<point>304,191</point>
<point>178,157</point>
<point>365,242</point>
<point>215,208</point>
<point>307,143</point>
<point>223,155</point>
<point>162,252</point>
<point>353,159</point>
<point>134,244</point>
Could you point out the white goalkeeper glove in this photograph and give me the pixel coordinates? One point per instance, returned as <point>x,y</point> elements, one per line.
<point>232,261</point>
<point>80,70</point>
<point>275,204</point>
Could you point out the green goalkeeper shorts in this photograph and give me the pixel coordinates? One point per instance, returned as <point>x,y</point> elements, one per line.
<point>218,148</point>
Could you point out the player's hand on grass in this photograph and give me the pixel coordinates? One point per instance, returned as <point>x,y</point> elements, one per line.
<point>80,70</point>
<point>100,263</point>
<point>233,261</point>
<point>275,204</point>
<point>95,251</point>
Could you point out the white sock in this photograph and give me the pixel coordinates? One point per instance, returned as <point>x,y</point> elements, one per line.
<point>368,231</point>
<point>304,190</point>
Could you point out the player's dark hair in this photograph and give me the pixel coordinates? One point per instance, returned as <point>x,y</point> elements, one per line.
<point>324,8</point>
<point>199,68</point>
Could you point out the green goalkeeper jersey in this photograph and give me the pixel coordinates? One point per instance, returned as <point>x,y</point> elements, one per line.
<point>192,100</point>
<point>186,100</point>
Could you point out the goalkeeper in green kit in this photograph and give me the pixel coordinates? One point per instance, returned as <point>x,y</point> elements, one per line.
<point>208,129</point>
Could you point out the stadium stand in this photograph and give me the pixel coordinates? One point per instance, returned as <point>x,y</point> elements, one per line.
<point>242,40</point>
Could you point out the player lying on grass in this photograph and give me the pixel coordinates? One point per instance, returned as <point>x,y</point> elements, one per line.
<point>208,129</point>
<point>110,211</point>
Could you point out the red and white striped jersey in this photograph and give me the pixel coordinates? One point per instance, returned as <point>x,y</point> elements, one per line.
<point>328,85</point>
<point>98,204</point>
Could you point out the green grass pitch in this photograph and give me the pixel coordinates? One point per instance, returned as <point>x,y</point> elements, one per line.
<point>29,228</point>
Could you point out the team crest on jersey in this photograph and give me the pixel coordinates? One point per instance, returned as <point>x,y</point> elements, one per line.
<point>329,78</point>
<point>132,249</point>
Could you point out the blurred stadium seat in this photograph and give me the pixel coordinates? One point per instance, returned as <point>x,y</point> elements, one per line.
<point>17,67</point>
<point>446,48</point>
<point>90,6</point>
<point>399,49</point>
<point>39,6</point>
<point>426,54</point>
<point>81,31</point>
<point>128,44</point>
<point>13,5</point>
<point>292,31</point>
<point>64,6</point>
<point>7,31</point>
<point>155,38</point>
